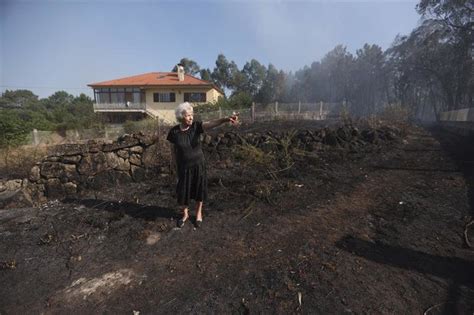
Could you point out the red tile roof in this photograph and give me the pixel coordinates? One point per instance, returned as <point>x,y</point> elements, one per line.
<point>155,79</point>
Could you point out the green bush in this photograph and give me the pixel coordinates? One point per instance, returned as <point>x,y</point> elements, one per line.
<point>240,100</point>
<point>205,108</point>
<point>13,132</point>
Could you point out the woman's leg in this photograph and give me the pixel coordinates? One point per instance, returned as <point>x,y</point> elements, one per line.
<point>181,221</point>
<point>185,213</point>
<point>198,210</point>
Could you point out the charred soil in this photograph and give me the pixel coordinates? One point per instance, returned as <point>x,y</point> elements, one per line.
<point>374,226</point>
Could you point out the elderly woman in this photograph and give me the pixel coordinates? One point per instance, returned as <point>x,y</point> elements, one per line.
<point>191,166</point>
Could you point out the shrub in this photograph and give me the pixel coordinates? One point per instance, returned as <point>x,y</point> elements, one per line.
<point>237,101</point>
<point>17,163</point>
<point>12,131</point>
<point>284,151</point>
<point>146,126</point>
<point>253,156</point>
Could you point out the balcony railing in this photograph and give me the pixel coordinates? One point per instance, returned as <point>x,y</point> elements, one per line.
<point>119,107</point>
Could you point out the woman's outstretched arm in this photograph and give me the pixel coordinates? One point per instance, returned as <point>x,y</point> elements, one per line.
<point>207,125</point>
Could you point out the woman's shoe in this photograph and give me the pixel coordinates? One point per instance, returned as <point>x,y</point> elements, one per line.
<point>180,223</point>
<point>198,224</point>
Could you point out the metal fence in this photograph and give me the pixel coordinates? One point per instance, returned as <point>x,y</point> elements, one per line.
<point>257,112</point>
<point>280,111</point>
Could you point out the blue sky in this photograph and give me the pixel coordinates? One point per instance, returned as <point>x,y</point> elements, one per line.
<point>47,46</point>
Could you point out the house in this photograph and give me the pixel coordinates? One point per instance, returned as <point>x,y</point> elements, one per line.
<point>154,94</point>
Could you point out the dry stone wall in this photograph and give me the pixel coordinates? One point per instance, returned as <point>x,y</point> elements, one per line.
<point>71,168</point>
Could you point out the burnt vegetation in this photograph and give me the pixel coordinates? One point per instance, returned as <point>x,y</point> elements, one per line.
<point>328,217</point>
<point>351,217</point>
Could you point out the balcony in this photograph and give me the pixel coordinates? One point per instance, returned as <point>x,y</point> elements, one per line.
<point>120,107</point>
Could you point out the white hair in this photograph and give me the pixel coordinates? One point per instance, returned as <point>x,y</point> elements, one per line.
<point>181,109</point>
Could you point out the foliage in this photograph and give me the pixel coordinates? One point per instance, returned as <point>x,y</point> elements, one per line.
<point>12,131</point>
<point>205,75</point>
<point>345,116</point>
<point>273,86</point>
<point>252,155</point>
<point>432,66</point>
<point>207,107</point>
<point>240,100</point>
<point>222,73</point>
<point>17,99</point>
<point>454,13</point>
<point>369,90</point>
<point>190,66</point>
<point>17,162</point>
<point>284,150</point>
<point>255,75</point>
<point>147,126</point>
<point>59,111</point>
<point>428,71</point>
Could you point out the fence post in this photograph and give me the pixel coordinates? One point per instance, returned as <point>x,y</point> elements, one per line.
<point>321,110</point>
<point>276,108</point>
<point>159,127</point>
<point>35,137</point>
<point>253,112</point>
<point>299,107</point>
<point>220,112</point>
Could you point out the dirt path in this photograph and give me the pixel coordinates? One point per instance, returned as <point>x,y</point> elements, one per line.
<point>369,232</point>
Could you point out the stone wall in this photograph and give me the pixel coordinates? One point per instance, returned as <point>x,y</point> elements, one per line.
<point>71,168</point>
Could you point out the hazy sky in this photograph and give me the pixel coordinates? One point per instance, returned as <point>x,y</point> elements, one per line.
<point>46,46</point>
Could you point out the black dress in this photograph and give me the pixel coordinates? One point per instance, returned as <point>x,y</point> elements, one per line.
<point>192,176</point>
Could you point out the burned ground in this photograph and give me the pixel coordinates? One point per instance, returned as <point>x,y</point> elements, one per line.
<point>372,226</point>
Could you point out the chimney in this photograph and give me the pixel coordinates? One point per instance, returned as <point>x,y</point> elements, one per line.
<point>180,72</point>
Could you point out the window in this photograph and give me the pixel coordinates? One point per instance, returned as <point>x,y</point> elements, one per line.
<point>102,95</point>
<point>136,97</point>
<point>164,97</point>
<point>113,96</point>
<point>194,97</point>
<point>103,98</point>
<point>119,95</point>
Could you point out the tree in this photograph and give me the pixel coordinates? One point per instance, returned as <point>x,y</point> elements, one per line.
<point>370,81</point>
<point>238,81</point>
<point>58,100</point>
<point>205,75</point>
<point>17,99</point>
<point>190,66</point>
<point>458,18</point>
<point>13,131</point>
<point>222,73</point>
<point>273,86</point>
<point>83,109</point>
<point>336,70</point>
<point>254,73</point>
<point>454,13</point>
<point>432,66</point>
